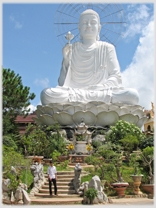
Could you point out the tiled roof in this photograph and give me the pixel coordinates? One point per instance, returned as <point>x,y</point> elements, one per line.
<point>28,119</point>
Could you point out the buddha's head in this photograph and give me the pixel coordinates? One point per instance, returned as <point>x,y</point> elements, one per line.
<point>89,24</point>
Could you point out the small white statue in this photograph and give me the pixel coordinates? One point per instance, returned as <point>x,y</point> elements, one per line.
<point>90,70</point>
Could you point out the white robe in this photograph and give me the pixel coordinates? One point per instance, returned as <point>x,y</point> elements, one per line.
<point>92,75</point>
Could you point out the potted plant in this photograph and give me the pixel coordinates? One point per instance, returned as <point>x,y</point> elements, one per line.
<point>91,193</point>
<point>116,163</point>
<point>136,176</point>
<point>147,158</point>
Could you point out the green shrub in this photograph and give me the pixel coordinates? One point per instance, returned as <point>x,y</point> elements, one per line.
<point>147,142</point>
<point>91,193</point>
<point>121,129</point>
<point>9,142</point>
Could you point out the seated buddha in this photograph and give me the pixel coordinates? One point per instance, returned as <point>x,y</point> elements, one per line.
<point>90,70</point>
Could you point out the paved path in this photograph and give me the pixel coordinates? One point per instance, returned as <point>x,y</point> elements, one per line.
<point>132,201</point>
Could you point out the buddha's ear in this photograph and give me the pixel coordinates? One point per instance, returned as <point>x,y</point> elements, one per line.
<point>99,28</point>
<point>79,27</point>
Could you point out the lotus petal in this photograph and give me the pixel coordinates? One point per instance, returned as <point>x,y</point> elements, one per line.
<point>119,104</point>
<point>47,119</point>
<point>56,105</point>
<point>88,117</point>
<point>72,109</point>
<point>100,109</point>
<point>38,112</point>
<point>55,109</point>
<point>48,110</point>
<point>89,105</point>
<point>93,109</point>
<point>107,118</point>
<point>37,120</point>
<point>104,106</point>
<point>141,122</point>
<point>96,103</point>
<point>114,108</point>
<point>63,118</point>
<point>138,112</point>
<point>39,107</point>
<point>130,118</point>
<point>123,111</point>
<point>133,107</point>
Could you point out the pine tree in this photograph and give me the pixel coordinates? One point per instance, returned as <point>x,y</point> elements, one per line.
<point>15,100</point>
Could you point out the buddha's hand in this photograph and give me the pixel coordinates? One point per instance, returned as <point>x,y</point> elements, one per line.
<point>67,49</point>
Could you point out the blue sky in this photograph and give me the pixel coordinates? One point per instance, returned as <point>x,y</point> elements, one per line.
<point>31,48</point>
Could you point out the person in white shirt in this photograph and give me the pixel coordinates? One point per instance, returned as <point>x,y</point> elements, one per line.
<point>52,177</point>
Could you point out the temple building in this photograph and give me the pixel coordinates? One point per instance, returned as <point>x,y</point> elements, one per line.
<point>149,124</point>
<point>24,122</point>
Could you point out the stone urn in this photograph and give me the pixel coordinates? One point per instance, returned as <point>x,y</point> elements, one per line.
<point>149,188</point>
<point>37,159</point>
<point>136,183</point>
<point>120,188</point>
<point>80,147</point>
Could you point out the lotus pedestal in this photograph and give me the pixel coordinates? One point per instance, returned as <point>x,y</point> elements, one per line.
<point>136,183</point>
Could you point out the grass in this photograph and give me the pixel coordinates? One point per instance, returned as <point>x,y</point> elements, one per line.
<point>107,181</point>
<point>29,178</point>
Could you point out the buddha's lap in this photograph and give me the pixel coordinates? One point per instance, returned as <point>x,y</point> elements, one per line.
<point>58,94</point>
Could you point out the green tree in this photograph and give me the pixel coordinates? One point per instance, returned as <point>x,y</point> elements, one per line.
<point>15,100</point>
<point>121,129</point>
<point>147,142</point>
<point>129,141</point>
<point>43,140</point>
<point>147,157</point>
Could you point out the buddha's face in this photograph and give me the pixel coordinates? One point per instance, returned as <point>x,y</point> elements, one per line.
<point>89,26</point>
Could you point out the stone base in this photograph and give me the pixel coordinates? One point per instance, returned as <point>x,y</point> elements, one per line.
<point>77,158</point>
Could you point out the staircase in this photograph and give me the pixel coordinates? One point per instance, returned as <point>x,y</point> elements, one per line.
<point>65,191</point>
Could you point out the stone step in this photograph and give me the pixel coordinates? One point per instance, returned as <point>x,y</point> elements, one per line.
<point>67,172</point>
<point>59,191</point>
<point>64,180</point>
<point>59,187</point>
<point>62,176</point>
<point>56,201</point>
<point>82,164</point>
<point>46,195</point>
<point>61,183</point>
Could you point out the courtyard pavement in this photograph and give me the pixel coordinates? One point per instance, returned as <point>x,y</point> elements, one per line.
<point>132,201</point>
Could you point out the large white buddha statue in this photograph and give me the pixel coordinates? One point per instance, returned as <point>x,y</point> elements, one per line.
<point>90,70</point>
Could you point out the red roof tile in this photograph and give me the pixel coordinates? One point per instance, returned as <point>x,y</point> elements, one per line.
<point>28,119</point>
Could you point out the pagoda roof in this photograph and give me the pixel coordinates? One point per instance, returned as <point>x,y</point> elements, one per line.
<point>28,119</point>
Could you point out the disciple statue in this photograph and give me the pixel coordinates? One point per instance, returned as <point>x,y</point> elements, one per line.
<point>90,70</point>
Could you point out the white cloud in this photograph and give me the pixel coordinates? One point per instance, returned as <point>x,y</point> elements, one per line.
<point>137,18</point>
<point>140,73</point>
<point>17,24</point>
<point>42,82</point>
<point>32,108</point>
